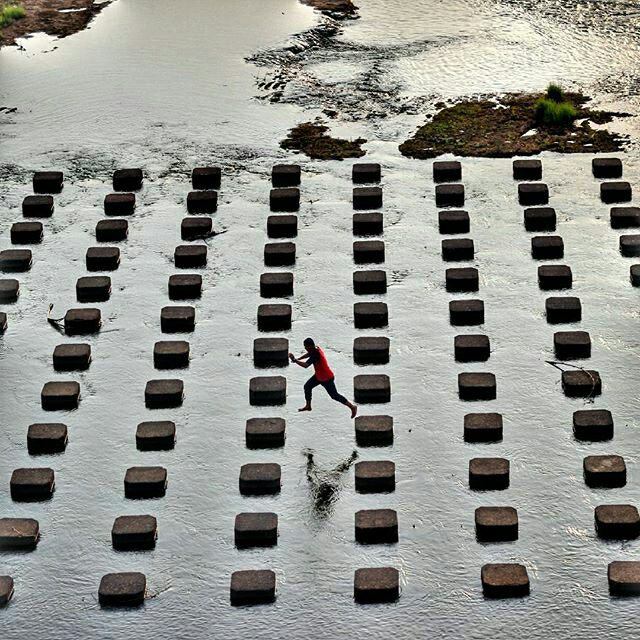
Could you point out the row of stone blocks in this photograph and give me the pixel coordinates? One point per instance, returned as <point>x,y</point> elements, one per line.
<point>279,254</point>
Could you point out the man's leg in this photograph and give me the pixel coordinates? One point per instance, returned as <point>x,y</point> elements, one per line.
<point>330,386</point>
<point>308,388</point>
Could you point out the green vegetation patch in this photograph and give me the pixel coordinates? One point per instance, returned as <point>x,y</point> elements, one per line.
<point>311,139</point>
<point>10,13</point>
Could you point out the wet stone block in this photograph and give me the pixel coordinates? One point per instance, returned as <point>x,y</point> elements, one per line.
<point>367,224</point>
<point>276,285</point>
<point>29,485</point>
<point>46,438</point>
<point>282,226</point>
<point>533,193</point>
<point>102,258</point>
<point>625,217</point>
<point>457,249</point>
<point>630,246</point>
<point>286,199</point>
<point>195,228</point>
<point>466,312</point>
<point>461,279</point>
<point>604,471</point>
<point>563,309</point>
<point>447,171</point>
<point>145,482</point>
<point>450,222</point>
<point>372,388</point>
<point>190,256</point>
<point>285,175</point>
<point>624,578</point>
<point>6,589</point>
<point>581,384</point>
<point>171,354</point>
<point>483,427</point>
<point>122,589</point>
<point>267,391</point>
<point>376,526</point>
<point>163,394</point>
<point>569,345</point>
<point>554,277</point>
<point>471,348</point>
<point>527,170</point>
<point>540,219</point>
<point>365,251</point>
<point>202,201</point>
<point>363,172</point>
<point>206,178</point>
<point>634,275</point>
<point>71,357</point>
<point>252,587</point>
<point>377,584</point>
<point>606,167</point>
<point>119,204</point>
<point>374,431</point>
<point>504,580</point>
<point>177,319</point>
<point>186,286</point>
<point>47,181</point>
<point>369,282</point>
<point>617,521</point>
<point>82,321</point>
<point>156,435</point>
<point>127,179</point>
<point>274,317</point>
<point>371,350</point>
<point>265,433</point>
<point>488,474</point>
<point>134,533</point>
<point>279,254</point>
<point>3,322</point>
<point>255,530</point>
<point>93,288</point>
<point>26,233</point>
<point>367,198</point>
<point>9,290</point>
<point>496,524</point>
<point>477,386</point>
<point>547,248</point>
<point>613,192</point>
<point>37,207</point>
<point>112,230</point>
<point>370,315</point>
<point>60,395</point>
<point>593,425</point>
<point>15,260</point>
<point>270,352</point>
<point>259,478</point>
<point>449,195</point>
<point>19,533</point>
<point>375,476</point>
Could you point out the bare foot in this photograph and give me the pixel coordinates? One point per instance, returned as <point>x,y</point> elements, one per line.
<point>354,410</point>
<point>305,408</point>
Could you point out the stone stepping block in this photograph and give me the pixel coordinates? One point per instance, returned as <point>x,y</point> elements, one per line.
<point>119,204</point>
<point>3,322</point>
<point>581,384</point>
<point>185,286</point>
<point>286,199</point>
<point>374,431</point>
<point>477,386</point>
<point>45,438</point>
<point>15,260</point>
<point>540,219</point>
<point>483,427</point>
<point>570,345</point>
<point>466,312</point>
<point>196,228</point>
<point>71,357</point>
<point>163,394</point>
<point>606,167</point>
<point>26,233</point>
<point>93,288</point>
<point>450,222</point>
<point>367,224</point>
<point>122,589</point>
<point>547,248</point>
<point>285,175</point>
<point>79,322</point>
<point>47,181</point>
<point>370,315</point>
<point>276,285</point>
<point>555,277</point>
<point>274,317</point>
<point>527,170</point>
<point>369,282</point>
<point>563,309</point>
<point>533,193</point>
<point>371,350</point>
<point>282,226</point>
<point>265,433</point>
<point>267,391</point>
<point>617,521</point>
<point>30,485</point>
<point>190,256</point>
<point>447,171</point>
<point>19,533</point>
<point>630,246</point>
<point>206,178</point>
<point>112,230</point>
<point>127,179</point>
<point>270,352</point>
<point>374,526</point>
<point>145,482</point>
<point>368,251</point>
<point>614,192</point>
<point>372,388</point>
<point>37,207</point>
<point>471,348</point>
<point>255,530</point>
<point>363,172</point>
<point>9,290</point>
<point>60,394</point>
<point>133,533</point>
<point>171,354</point>
<point>375,476</point>
<point>461,279</point>
<point>457,249</point>
<point>634,275</point>
<point>624,578</point>
<point>259,479</point>
<point>367,198</point>
<point>625,217</point>
<point>156,435</point>
<point>504,580</point>
<point>487,474</point>
<point>449,195</point>
<point>102,258</point>
<point>604,471</point>
<point>593,425</point>
<point>202,201</point>
<point>177,319</point>
<point>496,524</point>
<point>279,254</point>
<point>6,589</point>
<point>376,584</point>
<point>257,586</point>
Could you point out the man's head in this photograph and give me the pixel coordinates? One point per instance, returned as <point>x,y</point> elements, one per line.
<point>309,345</point>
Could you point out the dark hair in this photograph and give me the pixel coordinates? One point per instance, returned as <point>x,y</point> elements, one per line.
<point>309,341</point>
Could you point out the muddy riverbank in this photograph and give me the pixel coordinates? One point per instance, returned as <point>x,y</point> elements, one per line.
<point>339,9</point>
<point>311,138</point>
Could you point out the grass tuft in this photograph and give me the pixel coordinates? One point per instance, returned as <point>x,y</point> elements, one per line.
<point>550,113</point>
<point>10,13</point>
<point>555,93</point>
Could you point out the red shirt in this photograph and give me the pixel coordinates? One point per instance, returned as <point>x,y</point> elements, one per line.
<point>321,366</point>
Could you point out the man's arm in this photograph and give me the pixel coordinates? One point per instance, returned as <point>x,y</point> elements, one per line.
<point>301,360</point>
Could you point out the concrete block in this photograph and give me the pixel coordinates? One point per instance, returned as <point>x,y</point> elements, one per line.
<point>9,290</point>
<point>171,354</point>
<point>286,199</point>
<point>282,226</point>
<point>26,233</point>
<point>371,350</point>
<point>274,317</point>
<point>270,352</point>
<point>447,171</point>
<point>85,321</point>
<point>368,251</point>
<point>112,230</point>
<point>190,256</point>
<point>47,181</point>
<point>367,198</point>
<point>369,282</point>
<point>450,222</point>
<point>477,386</point>
<point>46,438</point>
<point>373,526</point>
<point>134,533</point>
<point>71,357</point>
<point>145,482</point>
<point>19,533</point>
<point>37,207</point>
<point>496,524</point>
<point>487,474</point>
<point>375,476</point>
<point>93,288</point>
<point>374,431</point>
<point>60,395</point>
<point>206,178</point>
<point>177,319</point>
<point>285,175</point>
<point>163,394</point>
<point>202,201</point>
<point>504,580</point>
<point>624,578</point>
<point>554,277</point>
<point>604,471</point>
<point>593,425</point>
<point>29,485</point>
<point>156,435</point>
<point>370,315</point>
<point>634,275</point>
<point>461,279</point>
<point>122,589</point>
<point>606,167</point>
<point>483,427</point>
<point>127,179</point>
<point>119,204</point>
<point>614,192</point>
<point>255,530</point>
<point>617,521</point>
<point>15,260</point>
<point>581,384</point>
<point>267,391</point>
<point>363,172</point>
<point>3,322</point>
<point>563,309</point>
<point>466,312</point>
<point>276,285</point>
<point>457,249</point>
<point>630,246</point>
<point>372,388</point>
<point>624,217</point>
<point>367,224</point>
<point>196,228</point>
<point>540,219</point>
<point>185,286</point>
<point>252,587</point>
<point>376,584</point>
<point>102,258</point>
<point>279,254</point>
<point>533,193</point>
<point>570,345</point>
<point>547,248</point>
<point>471,348</point>
<point>265,433</point>
<point>527,170</point>
<point>259,479</point>
<point>449,195</point>
<point>6,589</point>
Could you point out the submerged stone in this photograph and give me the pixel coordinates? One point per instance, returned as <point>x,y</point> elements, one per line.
<point>457,249</point>
<point>504,580</point>
<point>134,532</point>
<point>368,251</point>
<point>145,482</point>
<point>374,431</point>
<point>274,317</point>
<point>605,471</point>
<point>555,277</point>
<point>593,425</point>
<point>370,315</point>
<point>9,290</point>
<point>37,207</point>
<point>547,248</point>
<point>259,478</point>
<point>276,285</point>
<point>46,438</point>
<point>462,279</point>
<point>282,226</point>
<point>268,391</point>
<point>26,233</point>
<point>127,179</point>
<point>447,171</point>
<point>606,167</point>
<point>171,354</point>
<point>613,192</point>
<point>270,352</point>
<point>466,312</point>
<point>190,256</point>
<point>533,193</point>
<point>369,282</point>
<point>15,260</point>
<point>256,530</point>
<point>122,589</point>
<point>252,587</point>
<point>617,521</point>
<point>540,219</point>
<point>60,395</point>
<point>449,195</point>
<point>28,485</point>
<point>450,222</point>
<point>206,178</point>
<point>112,230</point>
<point>581,384</point>
<point>625,217</point>
<point>186,286</point>
<point>483,427</point>
<point>367,197</point>
<point>471,348</point>
<point>202,201</point>
<point>47,181</point>
<point>265,433</point>
<point>177,319</point>
<point>71,357</point>
<point>156,435</point>
<point>119,204</point>
<point>279,254</point>
<point>102,258</point>
<point>163,394</point>
<point>285,199</point>
<point>527,169</point>
<point>363,172</point>
<point>19,533</point>
<point>93,288</point>
<point>372,388</point>
<point>285,175</point>
<point>374,526</point>
<point>375,476</point>
<point>367,224</point>
<point>376,584</point>
<point>371,350</point>
<point>82,321</point>
<point>196,228</point>
<point>563,309</point>
<point>488,474</point>
<point>496,524</point>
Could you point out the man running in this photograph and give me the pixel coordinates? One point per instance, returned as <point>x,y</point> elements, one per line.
<point>323,375</point>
